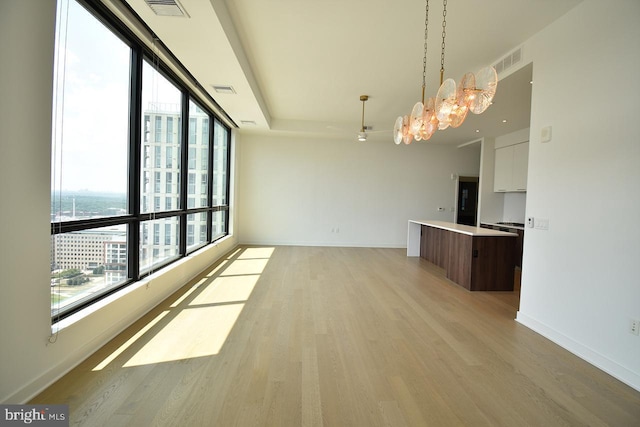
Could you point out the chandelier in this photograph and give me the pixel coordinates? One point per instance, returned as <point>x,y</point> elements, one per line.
<point>452,102</point>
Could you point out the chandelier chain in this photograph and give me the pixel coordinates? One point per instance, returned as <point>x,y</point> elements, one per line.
<point>444,34</point>
<point>424,59</point>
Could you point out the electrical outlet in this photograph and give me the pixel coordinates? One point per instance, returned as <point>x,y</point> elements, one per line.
<point>634,327</point>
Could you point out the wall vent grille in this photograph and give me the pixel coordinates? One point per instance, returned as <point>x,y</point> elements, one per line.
<point>167,8</point>
<point>509,61</point>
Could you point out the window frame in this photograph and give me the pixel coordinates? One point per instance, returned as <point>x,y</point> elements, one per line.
<point>139,132</point>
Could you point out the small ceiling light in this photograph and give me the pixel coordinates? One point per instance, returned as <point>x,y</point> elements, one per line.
<point>504,120</point>
<point>477,130</point>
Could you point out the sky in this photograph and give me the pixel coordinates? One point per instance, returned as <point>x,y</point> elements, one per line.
<point>91,96</point>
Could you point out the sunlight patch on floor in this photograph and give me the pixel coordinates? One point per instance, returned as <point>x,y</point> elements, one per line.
<point>129,342</point>
<point>217,268</point>
<point>225,289</point>
<point>189,292</point>
<point>246,266</point>
<point>202,318</point>
<point>194,332</point>
<point>254,253</point>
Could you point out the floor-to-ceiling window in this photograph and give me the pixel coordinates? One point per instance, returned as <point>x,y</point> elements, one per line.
<point>139,163</point>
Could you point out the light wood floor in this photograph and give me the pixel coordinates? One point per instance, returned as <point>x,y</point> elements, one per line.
<point>307,336</point>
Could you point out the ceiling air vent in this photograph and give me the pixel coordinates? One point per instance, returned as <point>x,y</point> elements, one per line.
<point>509,61</point>
<point>229,90</point>
<point>167,8</point>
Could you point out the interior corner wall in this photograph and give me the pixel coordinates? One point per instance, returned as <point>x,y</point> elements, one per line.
<point>490,205</point>
<point>28,362</point>
<point>26,85</point>
<point>580,284</point>
<point>305,191</point>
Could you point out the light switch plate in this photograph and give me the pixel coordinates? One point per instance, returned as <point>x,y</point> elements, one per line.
<point>542,224</point>
<point>545,134</point>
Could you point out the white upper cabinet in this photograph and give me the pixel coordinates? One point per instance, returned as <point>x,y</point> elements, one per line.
<point>511,165</point>
<point>511,162</point>
<point>520,166</point>
<point>503,169</point>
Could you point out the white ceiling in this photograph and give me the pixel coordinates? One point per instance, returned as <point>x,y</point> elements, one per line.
<point>300,66</point>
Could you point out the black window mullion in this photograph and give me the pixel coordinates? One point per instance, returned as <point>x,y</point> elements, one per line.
<point>184,174</point>
<point>135,168</point>
<point>228,180</point>
<point>212,127</point>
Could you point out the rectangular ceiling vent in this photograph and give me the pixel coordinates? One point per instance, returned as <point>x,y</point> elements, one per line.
<point>167,8</point>
<point>229,90</point>
<point>509,60</point>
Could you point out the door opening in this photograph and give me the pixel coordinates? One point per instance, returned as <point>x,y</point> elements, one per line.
<point>467,196</point>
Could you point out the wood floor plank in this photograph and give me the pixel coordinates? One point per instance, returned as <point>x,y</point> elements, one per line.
<point>332,337</point>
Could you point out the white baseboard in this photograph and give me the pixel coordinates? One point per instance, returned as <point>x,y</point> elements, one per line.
<point>632,379</point>
<point>323,244</point>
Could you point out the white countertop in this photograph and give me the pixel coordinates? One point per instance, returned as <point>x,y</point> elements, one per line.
<point>464,229</point>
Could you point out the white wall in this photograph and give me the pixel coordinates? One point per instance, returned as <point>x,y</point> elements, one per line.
<point>27,362</point>
<point>296,191</point>
<point>491,205</point>
<point>580,283</point>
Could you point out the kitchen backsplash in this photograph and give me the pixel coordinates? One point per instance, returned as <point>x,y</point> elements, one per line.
<point>514,207</point>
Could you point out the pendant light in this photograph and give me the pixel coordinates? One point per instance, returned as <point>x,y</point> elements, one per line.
<point>452,103</point>
<point>409,127</point>
<point>362,135</point>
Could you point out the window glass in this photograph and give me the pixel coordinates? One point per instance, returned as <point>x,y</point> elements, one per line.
<point>198,153</point>
<point>169,136</point>
<point>161,103</point>
<point>220,156</point>
<point>89,161</point>
<point>219,225</point>
<point>191,184</point>
<point>86,262</point>
<point>195,223</point>
<point>158,242</point>
<point>169,155</point>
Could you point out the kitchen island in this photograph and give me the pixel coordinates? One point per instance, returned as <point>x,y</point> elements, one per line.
<point>478,259</point>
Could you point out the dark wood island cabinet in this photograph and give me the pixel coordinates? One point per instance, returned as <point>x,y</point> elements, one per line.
<point>477,259</point>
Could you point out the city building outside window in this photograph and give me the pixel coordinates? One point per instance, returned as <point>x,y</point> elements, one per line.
<point>92,171</point>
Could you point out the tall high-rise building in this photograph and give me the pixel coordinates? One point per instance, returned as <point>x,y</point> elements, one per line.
<point>160,192</point>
